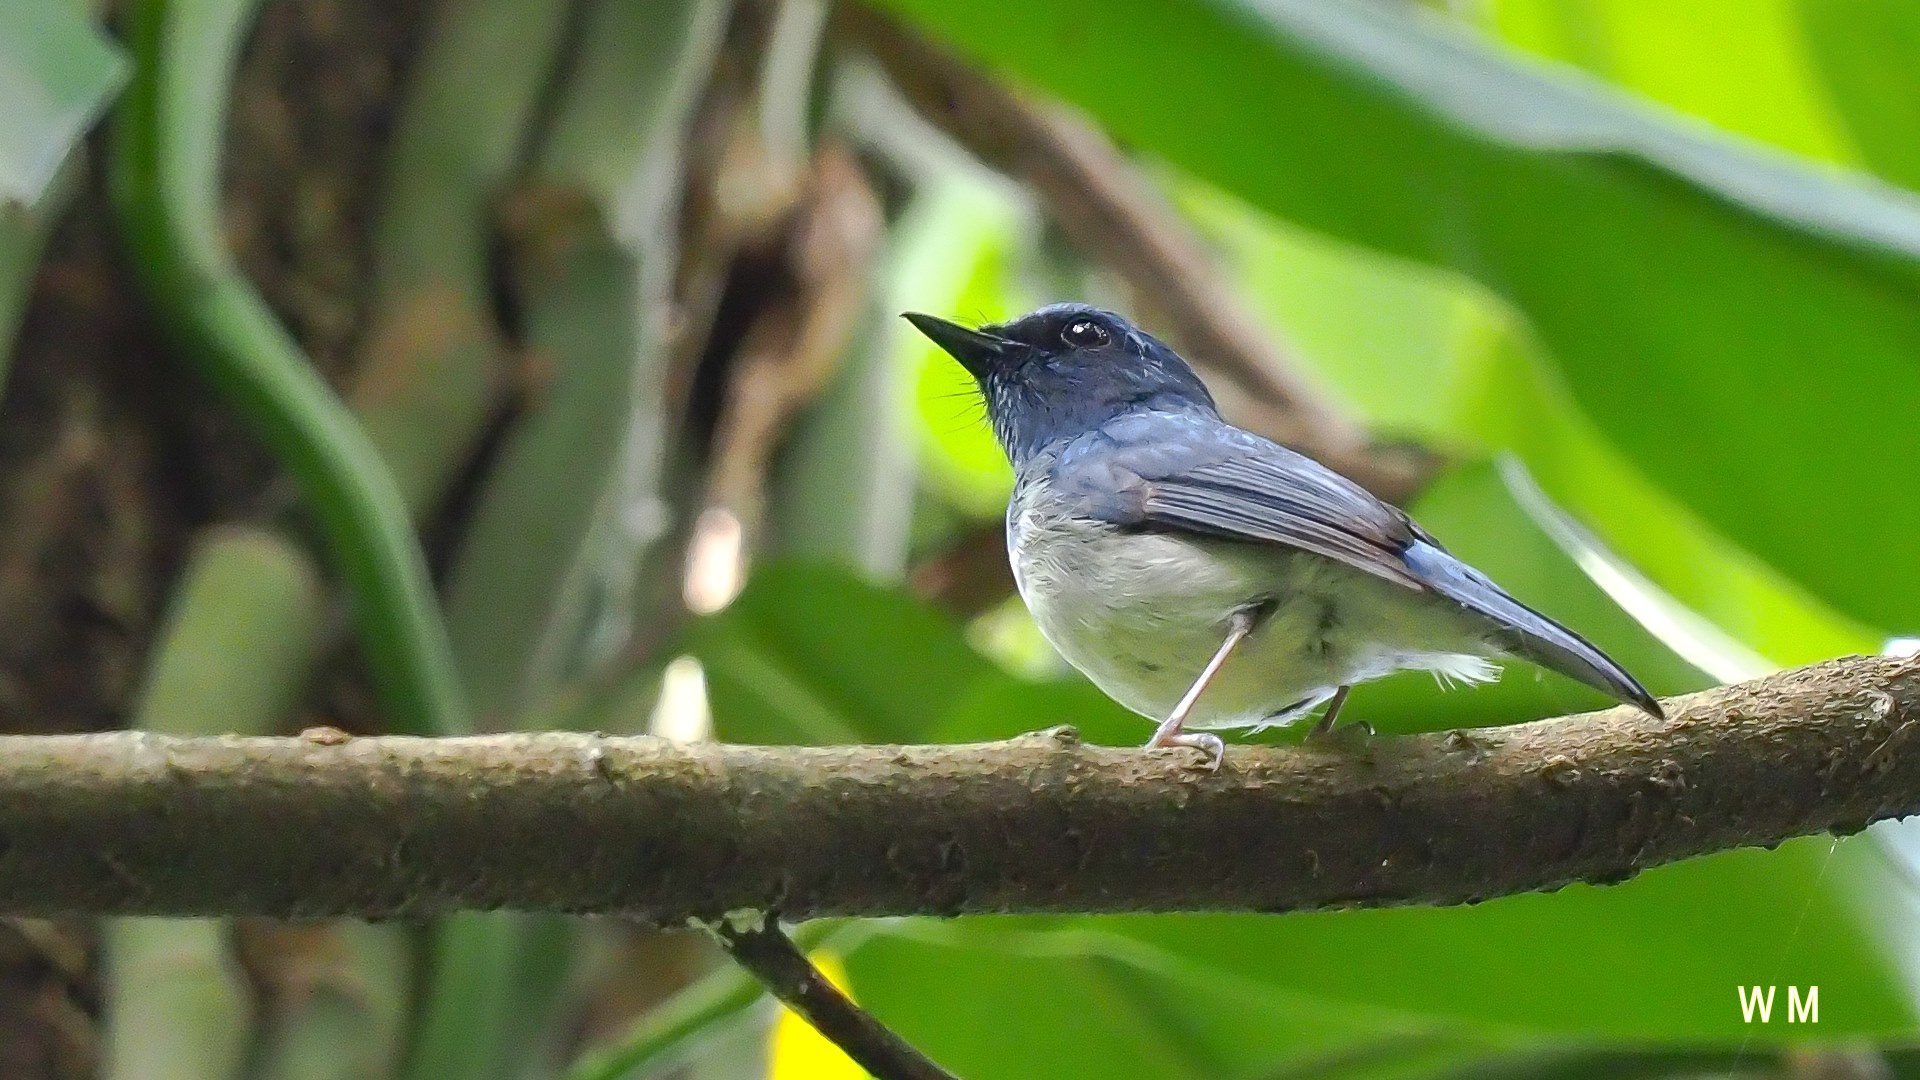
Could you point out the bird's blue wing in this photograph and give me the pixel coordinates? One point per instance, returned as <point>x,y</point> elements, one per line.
<point>1186,475</point>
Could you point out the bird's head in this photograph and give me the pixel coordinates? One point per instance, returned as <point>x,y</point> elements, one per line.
<point>1064,370</point>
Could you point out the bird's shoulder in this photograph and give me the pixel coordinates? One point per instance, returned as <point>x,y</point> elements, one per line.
<point>1133,454</point>
<point>1107,471</point>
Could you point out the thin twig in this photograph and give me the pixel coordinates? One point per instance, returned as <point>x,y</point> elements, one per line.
<point>1104,205</point>
<point>756,943</point>
<point>672,1030</point>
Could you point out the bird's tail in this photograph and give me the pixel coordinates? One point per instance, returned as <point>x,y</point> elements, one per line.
<point>1525,632</point>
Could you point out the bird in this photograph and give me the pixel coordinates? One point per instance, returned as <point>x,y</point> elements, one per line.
<point>1206,577</point>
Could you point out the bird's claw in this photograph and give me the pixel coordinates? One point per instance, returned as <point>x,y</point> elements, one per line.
<point>1210,745</point>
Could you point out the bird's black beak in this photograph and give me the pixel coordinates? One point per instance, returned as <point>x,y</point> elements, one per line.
<point>976,351</point>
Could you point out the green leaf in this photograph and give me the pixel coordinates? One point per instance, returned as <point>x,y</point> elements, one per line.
<point>1741,65</point>
<point>1396,344</point>
<point>1865,50</point>
<point>1740,325</point>
<point>1018,998</point>
<point>56,75</point>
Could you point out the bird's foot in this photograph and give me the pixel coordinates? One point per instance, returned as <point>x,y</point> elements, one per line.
<point>1205,742</point>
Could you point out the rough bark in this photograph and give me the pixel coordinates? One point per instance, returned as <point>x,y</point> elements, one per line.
<point>397,827</point>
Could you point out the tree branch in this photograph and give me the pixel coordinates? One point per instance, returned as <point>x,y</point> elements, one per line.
<point>1116,216</point>
<point>133,822</point>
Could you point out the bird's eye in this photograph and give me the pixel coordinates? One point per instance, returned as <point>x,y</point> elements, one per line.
<point>1084,334</point>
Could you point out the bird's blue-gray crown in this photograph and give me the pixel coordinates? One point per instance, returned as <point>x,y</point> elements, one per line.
<point>1066,369</point>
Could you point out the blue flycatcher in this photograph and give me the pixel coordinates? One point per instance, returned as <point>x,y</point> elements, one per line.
<point>1203,576</point>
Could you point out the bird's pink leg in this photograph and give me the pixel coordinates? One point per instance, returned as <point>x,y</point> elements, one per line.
<point>1325,726</point>
<point>1171,730</point>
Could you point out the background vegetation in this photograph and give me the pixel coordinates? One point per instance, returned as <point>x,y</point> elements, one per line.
<point>594,298</point>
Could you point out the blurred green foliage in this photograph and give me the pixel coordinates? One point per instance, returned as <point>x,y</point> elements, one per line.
<point>1661,260</point>
<point>56,72</point>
